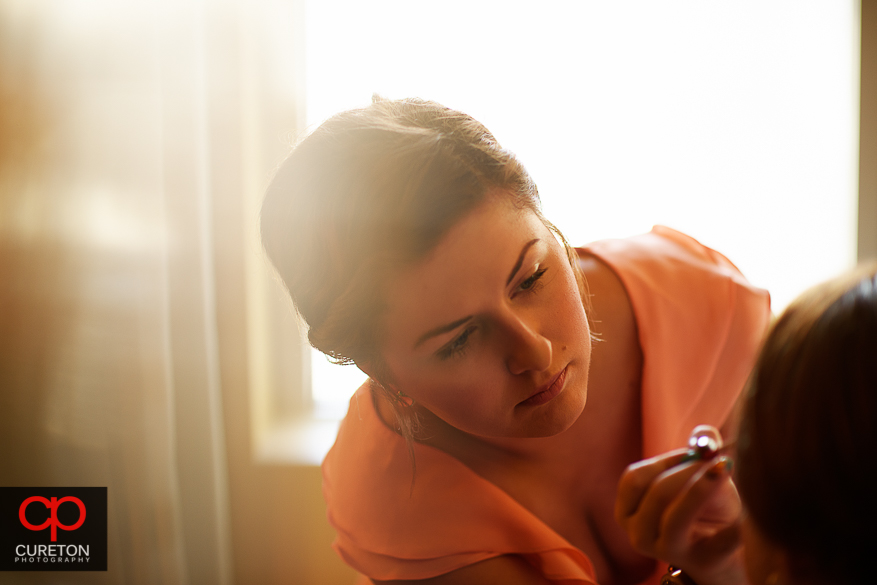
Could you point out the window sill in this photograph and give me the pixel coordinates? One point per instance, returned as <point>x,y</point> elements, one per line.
<point>302,441</point>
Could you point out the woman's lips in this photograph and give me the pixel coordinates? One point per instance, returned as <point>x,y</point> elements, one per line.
<point>548,393</point>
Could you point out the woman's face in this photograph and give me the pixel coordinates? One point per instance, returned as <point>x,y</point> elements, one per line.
<point>489,332</point>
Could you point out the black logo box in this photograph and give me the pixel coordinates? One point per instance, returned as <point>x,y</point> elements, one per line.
<point>68,552</point>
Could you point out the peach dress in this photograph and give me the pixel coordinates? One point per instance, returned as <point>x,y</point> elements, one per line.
<point>700,324</point>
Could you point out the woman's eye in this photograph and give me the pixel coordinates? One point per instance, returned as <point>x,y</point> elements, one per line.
<point>458,345</point>
<point>533,280</point>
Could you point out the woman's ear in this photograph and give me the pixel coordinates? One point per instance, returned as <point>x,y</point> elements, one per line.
<point>373,371</point>
<point>382,380</point>
<point>364,369</point>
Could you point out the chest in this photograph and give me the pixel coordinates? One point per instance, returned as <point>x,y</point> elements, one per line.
<point>573,489</point>
<point>574,494</point>
<point>570,483</point>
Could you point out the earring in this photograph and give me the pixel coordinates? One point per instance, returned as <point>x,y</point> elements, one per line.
<point>403,399</point>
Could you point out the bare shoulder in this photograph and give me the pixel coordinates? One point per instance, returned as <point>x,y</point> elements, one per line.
<point>506,569</point>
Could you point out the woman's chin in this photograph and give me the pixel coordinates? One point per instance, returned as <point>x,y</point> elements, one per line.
<point>557,416</point>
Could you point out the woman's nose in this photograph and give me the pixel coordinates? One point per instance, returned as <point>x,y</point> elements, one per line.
<point>528,350</point>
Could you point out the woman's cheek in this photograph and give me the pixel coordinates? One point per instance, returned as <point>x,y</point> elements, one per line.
<point>473,401</point>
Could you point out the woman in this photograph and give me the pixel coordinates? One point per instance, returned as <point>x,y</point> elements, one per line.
<point>414,246</point>
<point>808,432</point>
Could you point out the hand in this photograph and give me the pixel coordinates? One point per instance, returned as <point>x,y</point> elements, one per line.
<point>686,513</point>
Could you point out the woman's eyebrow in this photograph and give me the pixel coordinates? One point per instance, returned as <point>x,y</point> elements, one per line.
<point>440,330</point>
<point>451,326</point>
<point>520,260</point>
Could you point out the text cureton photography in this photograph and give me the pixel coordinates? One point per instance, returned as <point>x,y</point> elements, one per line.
<point>53,529</point>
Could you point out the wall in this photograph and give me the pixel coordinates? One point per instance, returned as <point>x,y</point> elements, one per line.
<point>867,221</point>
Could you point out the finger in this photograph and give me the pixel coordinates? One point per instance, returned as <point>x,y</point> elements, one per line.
<point>645,525</point>
<point>718,546</point>
<point>637,478</point>
<point>688,504</point>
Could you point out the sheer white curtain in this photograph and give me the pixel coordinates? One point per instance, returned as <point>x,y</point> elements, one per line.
<point>735,122</point>
<point>109,365</point>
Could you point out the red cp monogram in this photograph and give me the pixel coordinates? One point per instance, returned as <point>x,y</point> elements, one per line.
<point>52,506</point>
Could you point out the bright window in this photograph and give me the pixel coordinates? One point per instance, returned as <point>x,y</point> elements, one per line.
<point>735,122</point>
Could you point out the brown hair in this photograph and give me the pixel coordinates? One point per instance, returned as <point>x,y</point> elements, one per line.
<point>367,193</point>
<point>809,433</point>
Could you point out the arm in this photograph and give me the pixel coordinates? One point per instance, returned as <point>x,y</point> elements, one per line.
<point>506,569</point>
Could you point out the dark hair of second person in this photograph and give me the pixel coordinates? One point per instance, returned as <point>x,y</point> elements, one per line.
<point>809,433</point>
